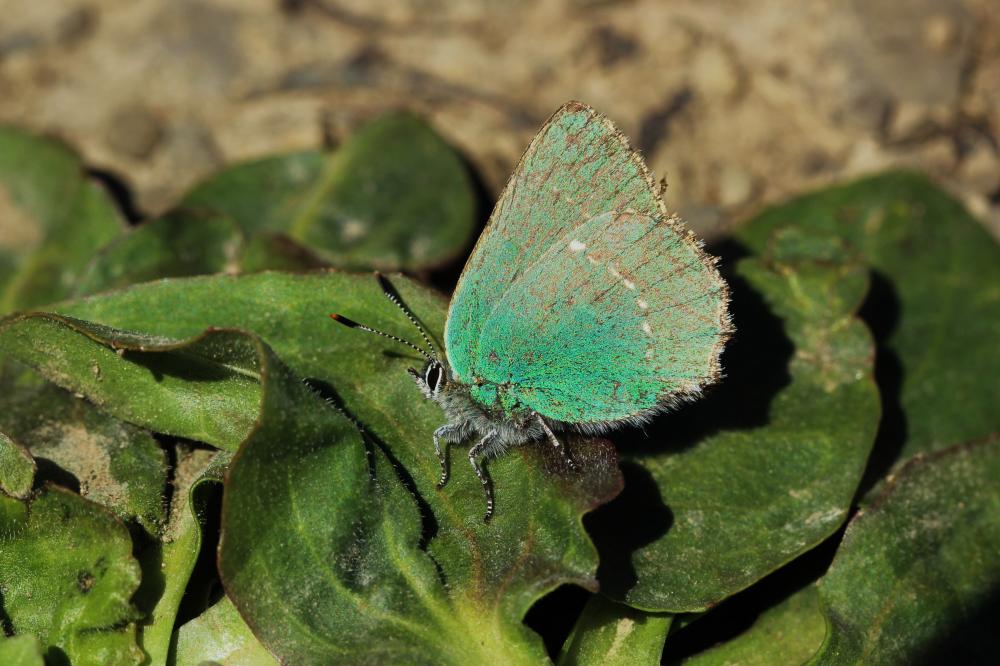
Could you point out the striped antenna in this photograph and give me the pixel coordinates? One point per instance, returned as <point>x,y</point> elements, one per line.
<point>349,323</point>
<point>391,294</point>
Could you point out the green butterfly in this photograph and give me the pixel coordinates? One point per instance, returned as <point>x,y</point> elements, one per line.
<point>583,307</point>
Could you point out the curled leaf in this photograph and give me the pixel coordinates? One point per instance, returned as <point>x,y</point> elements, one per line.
<point>220,635</point>
<point>611,633</point>
<point>172,376</point>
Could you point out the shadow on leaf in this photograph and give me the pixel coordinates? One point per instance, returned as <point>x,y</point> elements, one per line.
<point>428,523</point>
<point>635,518</point>
<point>963,643</point>
<point>755,363</point>
<point>881,313</point>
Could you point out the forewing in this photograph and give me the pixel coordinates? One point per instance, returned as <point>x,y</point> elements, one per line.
<point>577,167</point>
<point>621,314</point>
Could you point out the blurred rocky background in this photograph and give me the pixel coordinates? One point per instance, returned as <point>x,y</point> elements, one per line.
<point>734,102</point>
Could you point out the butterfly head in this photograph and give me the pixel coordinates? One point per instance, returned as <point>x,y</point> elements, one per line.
<point>432,380</point>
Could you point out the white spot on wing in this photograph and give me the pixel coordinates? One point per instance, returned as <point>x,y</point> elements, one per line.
<point>646,328</point>
<point>642,304</point>
<point>614,272</point>
<point>577,246</point>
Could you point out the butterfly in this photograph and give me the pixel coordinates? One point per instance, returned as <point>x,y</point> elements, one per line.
<point>583,307</point>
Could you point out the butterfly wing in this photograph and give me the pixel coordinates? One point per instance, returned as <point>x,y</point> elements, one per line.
<point>582,297</point>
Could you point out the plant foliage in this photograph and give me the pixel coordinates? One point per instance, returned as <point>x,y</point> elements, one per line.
<point>196,465</point>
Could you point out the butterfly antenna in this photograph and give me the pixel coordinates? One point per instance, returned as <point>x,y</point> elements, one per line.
<point>349,323</point>
<point>391,294</point>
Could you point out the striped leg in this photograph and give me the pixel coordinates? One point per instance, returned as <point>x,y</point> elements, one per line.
<point>484,478</point>
<point>556,443</point>
<point>446,433</point>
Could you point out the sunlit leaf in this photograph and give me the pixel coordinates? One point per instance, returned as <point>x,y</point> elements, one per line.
<point>394,196</point>
<point>220,636</point>
<point>935,306</point>
<point>494,572</point>
<point>17,468</point>
<point>66,577</point>
<point>21,651</point>
<point>609,633</point>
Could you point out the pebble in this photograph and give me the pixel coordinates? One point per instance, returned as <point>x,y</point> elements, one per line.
<point>734,186</point>
<point>939,33</point>
<point>134,131</point>
<point>715,73</point>
<point>980,169</point>
<point>910,120</point>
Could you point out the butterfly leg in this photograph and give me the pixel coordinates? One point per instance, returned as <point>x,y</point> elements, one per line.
<point>557,444</point>
<point>484,478</point>
<point>449,434</point>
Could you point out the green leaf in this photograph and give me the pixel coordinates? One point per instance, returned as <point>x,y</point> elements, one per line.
<point>204,390</point>
<point>394,196</point>
<point>176,245</point>
<point>311,535</point>
<point>917,575</point>
<point>21,651</point>
<point>494,572</point>
<point>220,636</point>
<point>52,219</point>
<point>765,467</point>
<point>115,464</point>
<point>278,252</point>
<point>66,575</point>
<point>12,511</point>
<point>937,279</point>
<point>167,565</point>
<point>789,632</point>
<point>17,468</point>
<point>332,550</point>
<point>611,633</point>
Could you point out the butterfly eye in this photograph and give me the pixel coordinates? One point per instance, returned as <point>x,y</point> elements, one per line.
<point>434,376</point>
